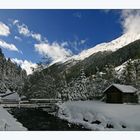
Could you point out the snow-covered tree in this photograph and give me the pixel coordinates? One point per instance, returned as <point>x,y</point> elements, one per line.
<point>137,73</point>
<point>110,74</point>
<point>65,93</point>
<point>81,85</point>
<point>128,75</point>
<point>99,83</point>
<point>78,88</point>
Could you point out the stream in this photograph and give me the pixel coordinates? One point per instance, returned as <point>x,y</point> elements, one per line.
<point>39,120</point>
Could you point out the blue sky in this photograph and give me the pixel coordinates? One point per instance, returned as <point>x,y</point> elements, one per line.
<point>56,34</point>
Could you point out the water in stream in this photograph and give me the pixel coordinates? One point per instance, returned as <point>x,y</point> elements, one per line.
<point>36,119</point>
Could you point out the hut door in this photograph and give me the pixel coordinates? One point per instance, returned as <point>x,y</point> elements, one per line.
<point>116,97</point>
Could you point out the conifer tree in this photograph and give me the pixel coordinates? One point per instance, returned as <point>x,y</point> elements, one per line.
<point>137,73</point>
<point>110,74</point>
<point>128,74</point>
<point>99,83</point>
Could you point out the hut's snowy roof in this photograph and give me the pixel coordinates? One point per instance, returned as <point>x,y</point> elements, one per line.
<point>123,88</point>
<point>2,94</point>
<point>8,91</point>
<point>12,96</point>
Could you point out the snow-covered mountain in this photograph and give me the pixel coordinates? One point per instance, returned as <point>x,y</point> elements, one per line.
<point>114,45</point>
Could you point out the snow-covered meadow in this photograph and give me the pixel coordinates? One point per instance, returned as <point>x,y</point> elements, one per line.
<point>8,122</point>
<point>96,115</point>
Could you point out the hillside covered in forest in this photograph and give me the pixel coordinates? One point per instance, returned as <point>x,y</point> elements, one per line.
<point>11,75</point>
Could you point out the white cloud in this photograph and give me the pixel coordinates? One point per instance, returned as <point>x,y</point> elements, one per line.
<point>15,22</point>
<point>53,51</point>
<point>26,65</point>
<point>4,29</point>
<point>36,36</point>
<point>130,20</point>
<point>24,30</point>
<point>8,46</point>
<point>77,43</point>
<point>63,44</point>
<point>83,41</point>
<point>18,38</point>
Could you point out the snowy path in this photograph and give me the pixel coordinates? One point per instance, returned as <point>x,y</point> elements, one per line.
<point>8,122</point>
<point>101,116</point>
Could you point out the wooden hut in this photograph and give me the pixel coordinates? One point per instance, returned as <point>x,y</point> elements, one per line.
<point>117,93</point>
<point>9,97</point>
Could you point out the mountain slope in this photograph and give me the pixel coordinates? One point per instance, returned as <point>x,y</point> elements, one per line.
<point>11,75</point>
<point>71,68</point>
<point>116,58</point>
<point>110,46</point>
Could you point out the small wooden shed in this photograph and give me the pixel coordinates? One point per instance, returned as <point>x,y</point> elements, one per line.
<point>9,97</point>
<point>117,93</point>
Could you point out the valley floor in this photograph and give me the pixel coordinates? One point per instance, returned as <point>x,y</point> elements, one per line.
<point>96,115</point>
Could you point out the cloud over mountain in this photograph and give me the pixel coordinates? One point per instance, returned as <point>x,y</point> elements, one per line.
<point>53,51</point>
<point>130,20</point>
<point>25,64</point>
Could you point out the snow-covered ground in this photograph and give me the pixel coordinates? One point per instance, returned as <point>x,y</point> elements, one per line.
<point>97,115</point>
<point>8,122</point>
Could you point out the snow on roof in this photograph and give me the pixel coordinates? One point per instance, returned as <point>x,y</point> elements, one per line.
<point>2,94</point>
<point>13,96</point>
<point>8,91</point>
<point>123,88</point>
<point>45,99</point>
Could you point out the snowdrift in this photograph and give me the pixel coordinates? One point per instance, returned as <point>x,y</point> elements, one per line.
<point>96,115</point>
